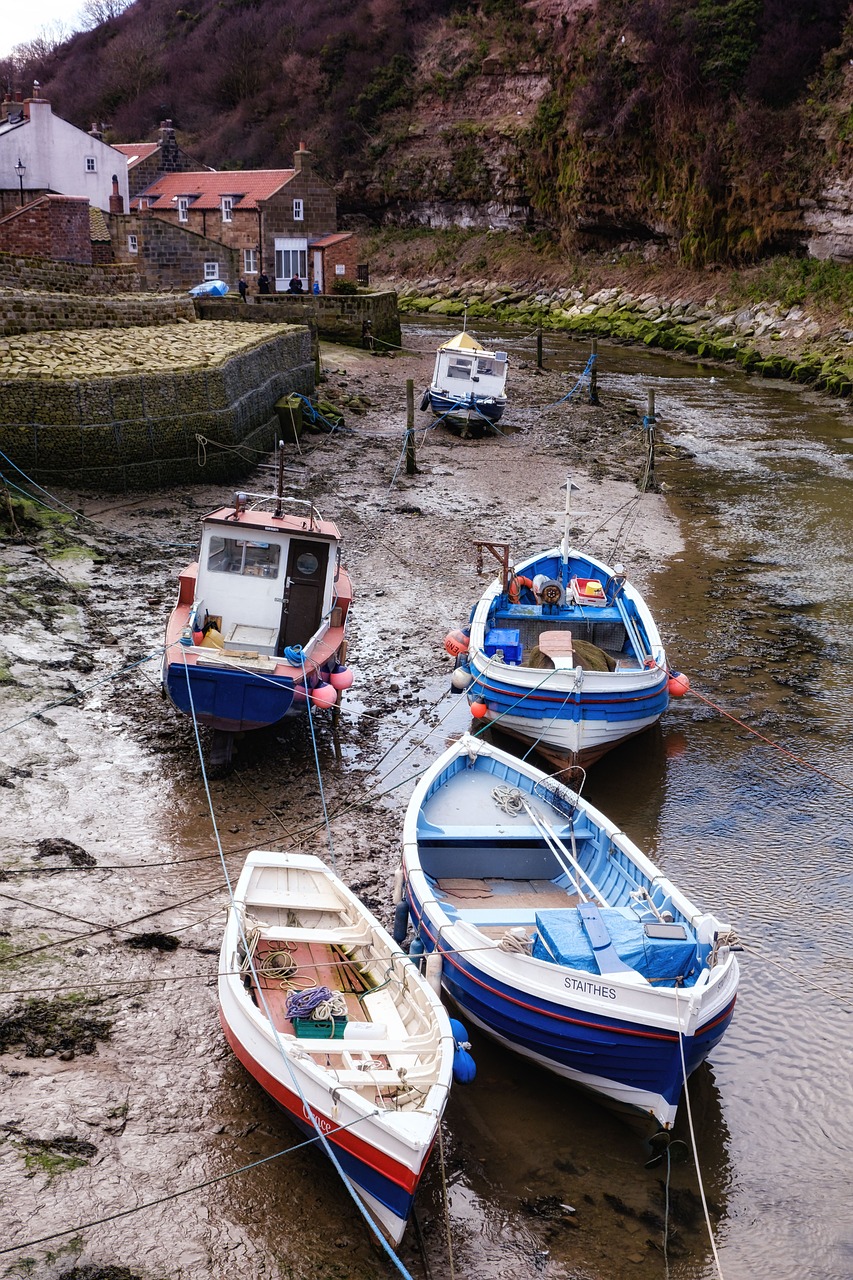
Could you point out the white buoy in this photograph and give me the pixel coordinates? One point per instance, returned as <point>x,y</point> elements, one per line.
<point>460,678</point>
<point>397,895</point>
<point>433,971</point>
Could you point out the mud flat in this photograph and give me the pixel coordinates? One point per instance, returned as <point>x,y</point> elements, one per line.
<point>117,1086</point>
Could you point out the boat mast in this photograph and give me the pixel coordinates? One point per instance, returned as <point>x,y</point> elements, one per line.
<point>564,545</point>
<point>279,483</point>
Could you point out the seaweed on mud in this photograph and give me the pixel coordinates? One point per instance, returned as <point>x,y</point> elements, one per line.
<point>94,1272</point>
<point>59,848</point>
<point>66,1022</point>
<point>53,1156</point>
<point>153,942</point>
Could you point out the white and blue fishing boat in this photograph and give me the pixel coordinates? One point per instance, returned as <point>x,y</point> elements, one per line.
<point>563,653</point>
<point>337,1025</point>
<point>468,387</point>
<point>557,936</point>
<point>260,621</point>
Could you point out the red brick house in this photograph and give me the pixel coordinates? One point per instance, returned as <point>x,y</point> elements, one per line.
<point>274,218</point>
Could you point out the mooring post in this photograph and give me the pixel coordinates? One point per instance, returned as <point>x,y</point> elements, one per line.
<point>539,346</point>
<point>593,374</point>
<point>650,427</point>
<point>411,466</point>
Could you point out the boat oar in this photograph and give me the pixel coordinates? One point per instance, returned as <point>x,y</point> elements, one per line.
<point>560,852</point>
<point>633,633</point>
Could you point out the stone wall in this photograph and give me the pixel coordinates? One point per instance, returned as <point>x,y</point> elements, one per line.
<point>120,433</point>
<point>19,272</point>
<point>30,313</point>
<point>339,317</point>
<point>55,227</point>
<point>169,256</point>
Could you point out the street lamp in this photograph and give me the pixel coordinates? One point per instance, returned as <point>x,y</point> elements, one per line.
<point>20,170</point>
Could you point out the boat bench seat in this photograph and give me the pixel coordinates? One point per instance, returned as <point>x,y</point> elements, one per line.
<point>328,937</point>
<point>486,917</point>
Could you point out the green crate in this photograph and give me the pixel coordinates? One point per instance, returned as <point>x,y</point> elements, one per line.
<point>320,1028</point>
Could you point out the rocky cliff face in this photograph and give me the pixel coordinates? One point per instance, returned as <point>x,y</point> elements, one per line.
<point>715,131</point>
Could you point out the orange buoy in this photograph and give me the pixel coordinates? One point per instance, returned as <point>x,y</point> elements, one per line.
<point>456,642</point>
<point>324,696</point>
<point>478,710</point>
<point>677,685</point>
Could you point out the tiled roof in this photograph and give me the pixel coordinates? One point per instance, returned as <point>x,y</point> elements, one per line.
<point>205,189</point>
<point>136,151</point>
<point>326,242</point>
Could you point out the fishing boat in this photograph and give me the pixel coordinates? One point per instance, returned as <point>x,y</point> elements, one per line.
<point>557,936</point>
<point>468,387</point>
<point>337,1025</point>
<point>259,626</point>
<point>563,653</point>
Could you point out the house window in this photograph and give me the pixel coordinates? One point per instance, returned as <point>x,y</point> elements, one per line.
<point>132,244</point>
<point>291,262</point>
<point>250,262</point>
<point>227,208</point>
<point>90,164</point>
<point>211,271</point>
<point>183,208</point>
<point>298,211</point>
<point>143,203</point>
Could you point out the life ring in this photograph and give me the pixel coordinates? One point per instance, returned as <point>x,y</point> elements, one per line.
<point>514,589</point>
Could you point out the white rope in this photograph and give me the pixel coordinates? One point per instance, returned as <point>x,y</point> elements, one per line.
<point>693,1142</point>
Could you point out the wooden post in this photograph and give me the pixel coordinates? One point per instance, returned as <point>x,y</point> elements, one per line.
<point>593,374</point>
<point>539,346</point>
<point>650,419</point>
<point>411,465</point>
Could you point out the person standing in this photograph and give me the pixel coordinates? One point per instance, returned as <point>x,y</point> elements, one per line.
<point>263,283</point>
<point>243,288</point>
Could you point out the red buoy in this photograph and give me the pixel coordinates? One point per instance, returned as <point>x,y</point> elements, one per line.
<point>677,685</point>
<point>324,696</point>
<point>341,677</point>
<point>456,642</point>
<point>478,710</point>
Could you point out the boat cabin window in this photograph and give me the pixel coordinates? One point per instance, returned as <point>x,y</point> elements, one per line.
<point>489,367</point>
<point>459,369</point>
<point>241,555</point>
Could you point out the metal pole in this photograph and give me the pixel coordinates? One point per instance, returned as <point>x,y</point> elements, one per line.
<point>539,346</point>
<point>650,419</point>
<point>411,465</point>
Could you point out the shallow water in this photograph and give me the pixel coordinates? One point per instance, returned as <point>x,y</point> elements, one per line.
<point>540,1179</point>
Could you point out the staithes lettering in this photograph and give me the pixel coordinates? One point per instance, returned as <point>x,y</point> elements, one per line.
<point>590,988</point>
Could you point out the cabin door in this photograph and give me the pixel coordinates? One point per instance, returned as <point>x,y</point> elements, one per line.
<point>307,563</point>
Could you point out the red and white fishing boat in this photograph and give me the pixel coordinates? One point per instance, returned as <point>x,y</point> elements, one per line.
<point>337,1025</point>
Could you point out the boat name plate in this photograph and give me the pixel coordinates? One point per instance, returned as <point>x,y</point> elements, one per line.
<point>590,988</point>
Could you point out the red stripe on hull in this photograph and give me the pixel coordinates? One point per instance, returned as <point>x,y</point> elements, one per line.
<point>347,1139</point>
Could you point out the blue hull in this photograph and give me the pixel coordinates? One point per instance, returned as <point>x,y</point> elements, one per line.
<point>231,701</point>
<point>469,409</point>
<point>573,1042</point>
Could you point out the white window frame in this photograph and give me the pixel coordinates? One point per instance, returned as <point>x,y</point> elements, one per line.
<point>299,211</point>
<point>132,244</point>
<point>211,271</point>
<point>91,164</point>
<point>227,208</point>
<point>250,262</point>
<point>183,208</point>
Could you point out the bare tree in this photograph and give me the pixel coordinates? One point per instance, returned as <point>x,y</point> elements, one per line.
<point>96,12</point>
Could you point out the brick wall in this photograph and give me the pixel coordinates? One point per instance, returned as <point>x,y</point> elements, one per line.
<point>339,317</point>
<point>344,254</point>
<point>55,227</point>
<point>169,255</point>
<point>140,432</point>
<point>18,273</point>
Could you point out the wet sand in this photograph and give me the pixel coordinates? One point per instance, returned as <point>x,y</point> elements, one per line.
<point>124,1090</point>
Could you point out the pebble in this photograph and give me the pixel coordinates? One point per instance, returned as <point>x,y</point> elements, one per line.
<point>49,1053</point>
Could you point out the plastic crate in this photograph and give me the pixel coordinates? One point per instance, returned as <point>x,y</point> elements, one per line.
<point>320,1028</point>
<point>588,591</point>
<point>508,642</point>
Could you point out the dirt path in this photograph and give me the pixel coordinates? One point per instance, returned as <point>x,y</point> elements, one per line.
<point>117,1086</point>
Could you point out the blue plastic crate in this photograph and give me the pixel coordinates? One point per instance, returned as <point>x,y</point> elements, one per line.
<point>508,641</point>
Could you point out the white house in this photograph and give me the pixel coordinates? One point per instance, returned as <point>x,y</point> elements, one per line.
<point>41,153</point>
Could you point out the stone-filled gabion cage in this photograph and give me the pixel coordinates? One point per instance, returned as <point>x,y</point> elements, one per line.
<point>175,404</point>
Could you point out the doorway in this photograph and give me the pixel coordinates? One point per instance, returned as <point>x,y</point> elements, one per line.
<point>302,610</point>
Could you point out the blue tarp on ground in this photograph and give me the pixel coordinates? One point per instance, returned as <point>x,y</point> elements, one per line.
<point>561,938</point>
<point>210,289</point>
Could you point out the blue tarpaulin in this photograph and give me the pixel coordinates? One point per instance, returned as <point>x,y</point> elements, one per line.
<point>561,938</point>
<point>210,289</point>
